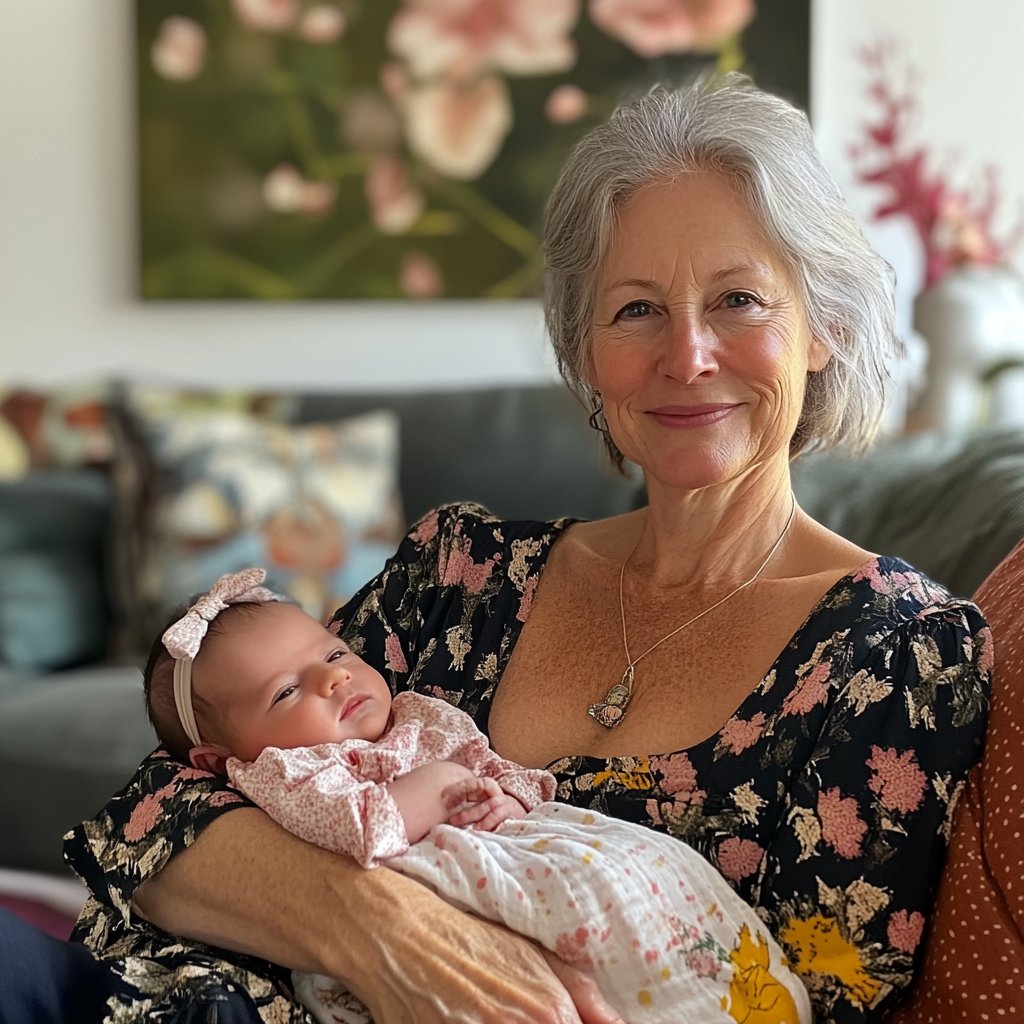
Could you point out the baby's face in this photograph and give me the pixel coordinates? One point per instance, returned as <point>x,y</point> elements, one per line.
<point>282,680</point>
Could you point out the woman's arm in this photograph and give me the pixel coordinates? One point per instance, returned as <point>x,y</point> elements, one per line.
<point>247,884</point>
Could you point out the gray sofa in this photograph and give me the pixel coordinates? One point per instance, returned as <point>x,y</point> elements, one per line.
<point>952,506</point>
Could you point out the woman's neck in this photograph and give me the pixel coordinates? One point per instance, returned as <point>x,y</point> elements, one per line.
<point>716,535</point>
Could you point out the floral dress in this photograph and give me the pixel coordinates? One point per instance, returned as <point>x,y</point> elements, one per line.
<point>826,800</point>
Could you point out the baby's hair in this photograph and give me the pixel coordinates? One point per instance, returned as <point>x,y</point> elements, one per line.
<point>158,682</point>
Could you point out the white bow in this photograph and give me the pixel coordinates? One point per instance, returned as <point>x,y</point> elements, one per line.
<point>184,638</point>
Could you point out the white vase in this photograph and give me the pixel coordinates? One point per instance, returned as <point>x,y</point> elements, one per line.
<point>973,321</point>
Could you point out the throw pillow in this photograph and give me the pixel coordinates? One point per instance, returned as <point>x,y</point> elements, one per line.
<point>227,483</point>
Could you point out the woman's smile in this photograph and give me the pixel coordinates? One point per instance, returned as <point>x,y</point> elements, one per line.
<point>690,417</point>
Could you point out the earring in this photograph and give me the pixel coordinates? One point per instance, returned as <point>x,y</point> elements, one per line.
<point>596,419</point>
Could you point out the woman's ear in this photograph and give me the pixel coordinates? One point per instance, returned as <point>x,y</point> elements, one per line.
<point>209,758</point>
<point>818,355</point>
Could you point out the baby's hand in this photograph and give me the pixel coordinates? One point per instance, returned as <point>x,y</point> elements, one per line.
<point>481,803</point>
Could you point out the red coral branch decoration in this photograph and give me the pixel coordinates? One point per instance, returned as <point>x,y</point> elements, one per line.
<point>953,225</point>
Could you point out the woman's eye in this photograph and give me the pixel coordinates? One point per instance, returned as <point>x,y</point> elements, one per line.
<point>286,692</point>
<point>635,310</point>
<point>739,300</point>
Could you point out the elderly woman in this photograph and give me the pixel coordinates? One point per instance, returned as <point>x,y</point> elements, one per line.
<point>715,665</point>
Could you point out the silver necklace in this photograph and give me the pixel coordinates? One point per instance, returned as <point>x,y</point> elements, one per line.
<point>612,710</point>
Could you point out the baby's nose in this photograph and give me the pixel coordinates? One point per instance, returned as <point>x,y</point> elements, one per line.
<point>334,677</point>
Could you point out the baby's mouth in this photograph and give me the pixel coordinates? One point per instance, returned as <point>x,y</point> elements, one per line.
<point>350,705</point>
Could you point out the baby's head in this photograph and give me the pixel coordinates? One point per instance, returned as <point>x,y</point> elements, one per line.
<point>264,675</point>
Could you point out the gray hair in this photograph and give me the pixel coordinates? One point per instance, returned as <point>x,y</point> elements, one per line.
<point>765,146</point>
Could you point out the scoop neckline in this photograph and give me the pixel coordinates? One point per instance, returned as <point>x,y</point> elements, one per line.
<point>560,525</point>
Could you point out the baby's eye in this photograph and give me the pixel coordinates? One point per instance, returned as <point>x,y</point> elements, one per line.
<point>286,692</point>
<point>335,655</point>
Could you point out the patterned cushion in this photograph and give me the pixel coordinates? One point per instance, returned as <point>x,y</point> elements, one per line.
<point>219,482</point>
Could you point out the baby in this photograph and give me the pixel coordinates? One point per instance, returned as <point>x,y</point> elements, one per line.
<point>310,733</point>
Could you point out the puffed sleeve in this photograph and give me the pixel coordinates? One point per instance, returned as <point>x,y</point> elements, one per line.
<point>313,793</point>
<point>849,880</point>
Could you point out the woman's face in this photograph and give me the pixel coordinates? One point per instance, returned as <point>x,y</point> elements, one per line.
<point>700,346</point>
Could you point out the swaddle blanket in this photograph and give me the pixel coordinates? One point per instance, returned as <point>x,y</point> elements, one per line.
<point>663,934</point>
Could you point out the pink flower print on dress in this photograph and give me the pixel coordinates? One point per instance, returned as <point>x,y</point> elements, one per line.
<point>394,655</point>
<point>738,734</point>
<point>897,779</point>
<point>425,530</point>
<point>810,691</point>
<point>870,572</point>
<point>146,814</point>
<point>678,777</point>
<point>223,797</point>
<point>905,930</point>
<point>738,858</point>
<point>652,28</point>
<point>526,603</point>
<point>461,571</point>
<point>841,825</point>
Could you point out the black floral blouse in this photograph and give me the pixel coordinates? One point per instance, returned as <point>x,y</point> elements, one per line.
<point>826,800</point>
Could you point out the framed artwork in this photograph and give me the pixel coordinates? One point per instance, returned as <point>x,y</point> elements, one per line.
<point>355,149</point>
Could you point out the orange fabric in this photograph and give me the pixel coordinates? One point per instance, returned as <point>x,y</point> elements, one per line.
<point>974,966</point>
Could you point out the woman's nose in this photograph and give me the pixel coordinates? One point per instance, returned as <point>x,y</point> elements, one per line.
<point>690,350</point>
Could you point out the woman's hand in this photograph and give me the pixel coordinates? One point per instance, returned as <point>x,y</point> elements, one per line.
<point>247,884</point>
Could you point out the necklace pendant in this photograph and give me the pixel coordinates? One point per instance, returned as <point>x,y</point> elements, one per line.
<point>611,711</point>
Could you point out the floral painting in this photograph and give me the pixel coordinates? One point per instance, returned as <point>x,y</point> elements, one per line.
<point>296,149</point>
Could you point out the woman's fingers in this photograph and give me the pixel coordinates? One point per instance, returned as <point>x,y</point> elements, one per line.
<point>590,1004</point>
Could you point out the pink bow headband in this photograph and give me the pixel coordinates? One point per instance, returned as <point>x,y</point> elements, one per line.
<point>183,639</point>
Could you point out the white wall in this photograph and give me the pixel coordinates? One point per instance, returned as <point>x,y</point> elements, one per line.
<point>67,257</point>
<point>969,56</point>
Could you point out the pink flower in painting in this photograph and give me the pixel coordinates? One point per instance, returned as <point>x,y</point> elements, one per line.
<point>897,779</point>
<point>286,191</point>
<point>462,39</point>
<point>146,814</point>
<point>419,276</point>
<point>566,104</point>
<point>810,691</point>
<point>458,127</point>
<point>179,50</point>
<point>461,570</point>
<point>652,28</point>
<point>266,15</point>
<point>323,23</point>
<point>678,779</point>
<point>395,203</point>
<point>905,930</point>
<point>526,603</point>
<point>738,734</point>
<point>738,858</point>
<point>394,655</point>
<point>703,964</point>
<point>870,572</point>
<point>841,825</point>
